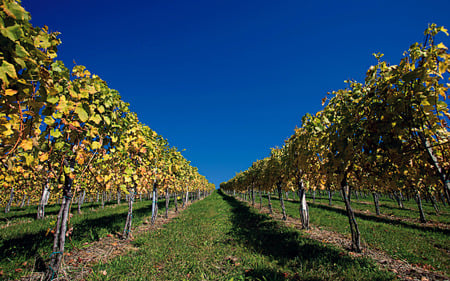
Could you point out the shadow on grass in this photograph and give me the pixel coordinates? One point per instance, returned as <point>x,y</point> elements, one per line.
<point>53,209</point>
<point>372,217</point>
<point>383,219</point>
<point>266,236</point>
<point>29,245</point>
<point>272,275</point>
<point>112,223</point>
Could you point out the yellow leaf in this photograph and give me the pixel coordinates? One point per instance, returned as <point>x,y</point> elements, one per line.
<point>442,46</point>
<point>62,105</point>
<point>43,157</point>
<point>29,159</point>
<point>95,145</point>
<point>10,92</point>
<point>80,159</point>
<point>8,131</point>
<point>26,144</point>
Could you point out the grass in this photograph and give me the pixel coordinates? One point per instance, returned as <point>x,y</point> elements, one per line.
<point>220,238</point>
<point>26,243</point>
<point>390,207</point>
<point>406,241</point>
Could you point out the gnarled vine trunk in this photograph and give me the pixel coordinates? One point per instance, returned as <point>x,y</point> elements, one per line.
<point>303,209</point>
<point>167,203</point>
<point>253,195</point>
<point>444,177</point>
<point>175,199</point>
<point>399,199</point>
<point>260,199</point>
<point>376,202</point>
<point>270,203</point>
<point>330,197</point>
<point>154,202</point>
<point>356,236</point>
<point>280,194</point>
<point>11,198</point>
<point>61,228</point>
<point>127,229</point>
<point>419,204</point>
<point>22,204</point>
<point>43,201</point>
<point>81,196</point>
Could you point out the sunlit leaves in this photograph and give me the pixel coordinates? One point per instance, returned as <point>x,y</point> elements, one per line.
<point>391,131</point>
<point>51,116</point>
<point>10,92</point>
<point>7,71</point>
<point>26,144</point>
<point>82,114</point>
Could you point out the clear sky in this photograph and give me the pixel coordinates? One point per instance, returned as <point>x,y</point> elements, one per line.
<point>226,80</point>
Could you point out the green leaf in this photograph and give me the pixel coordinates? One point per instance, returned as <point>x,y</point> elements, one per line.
<point>21,52</point>
<point>82,114</point>
<point>15,10</point>
<point>59,145</point>
<point>107,120</point>
<point>29,159</point>
<point>52,99</point>
<point>96,118</point>
<point>49,120</point>
<point>12,32</point>
<point>66,170</point>
<point>42,41</point>
<point>7,69</point>
<point>55,133</point>
<point>20,62</point>
<point>128,171</point>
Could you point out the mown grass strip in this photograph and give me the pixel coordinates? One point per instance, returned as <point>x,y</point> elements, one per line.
<point>390,207</point>
<point>26,246</point>
<point>407,242</point>
<point>220,238</point>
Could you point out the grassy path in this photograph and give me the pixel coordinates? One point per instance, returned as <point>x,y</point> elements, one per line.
<point>426,247</point>
<point>220,238</point>
<point>25,244</point>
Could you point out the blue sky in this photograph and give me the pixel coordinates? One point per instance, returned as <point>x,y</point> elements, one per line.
<point>227,80</point>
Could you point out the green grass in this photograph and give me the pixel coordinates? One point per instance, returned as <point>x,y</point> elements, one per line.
<point>220,238</point>
<point>26,240</point>
<point>390,207</point>
<point>407,241</point>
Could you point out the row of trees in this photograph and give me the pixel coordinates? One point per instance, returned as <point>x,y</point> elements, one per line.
<point>388,134</point>
<point>67,132</point>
